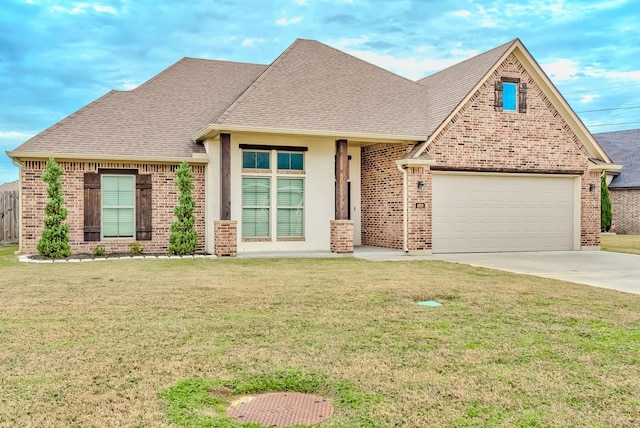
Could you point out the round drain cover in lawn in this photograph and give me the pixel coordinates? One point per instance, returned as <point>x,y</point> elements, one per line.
<point>282,409</point>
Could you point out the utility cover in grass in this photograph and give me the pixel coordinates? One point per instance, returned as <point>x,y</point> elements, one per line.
<point>431,303</point>
<point>282,409</point>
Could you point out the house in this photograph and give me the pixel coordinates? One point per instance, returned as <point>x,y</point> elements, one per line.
<point>320,150</point>
<point>624,189</point>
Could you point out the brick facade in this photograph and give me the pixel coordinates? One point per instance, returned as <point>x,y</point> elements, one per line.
<point>164,193</point>
<point>626,210</point>
<point>381,187</point>
<point>225,235</point>
<point>477,138</point>
<point>342,236</point>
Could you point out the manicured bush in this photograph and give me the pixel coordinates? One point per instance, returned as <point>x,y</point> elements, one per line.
<point>606,214</point>
<point>184,238</point>
<point>54,241</point>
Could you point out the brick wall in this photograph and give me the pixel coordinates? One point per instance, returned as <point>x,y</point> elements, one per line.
<point>165,198</point>
<point>225,235</point>
<point>342,236</point>
<point>538,140</point>
<point>626,210</point>
<point>381,198</point>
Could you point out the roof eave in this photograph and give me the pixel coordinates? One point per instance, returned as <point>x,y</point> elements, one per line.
<point>213,130</point>
<point>200,158</point>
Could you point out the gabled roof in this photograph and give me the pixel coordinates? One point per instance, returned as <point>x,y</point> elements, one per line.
<point>624,148</point>
<point>448,88</point>
<point>442,88</point>
<point>314,88</point>
<point>155,120</point>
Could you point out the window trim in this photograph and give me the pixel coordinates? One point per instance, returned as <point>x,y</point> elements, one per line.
<point>520,95</point>
<point>290,208</point>
<point>133,207</point>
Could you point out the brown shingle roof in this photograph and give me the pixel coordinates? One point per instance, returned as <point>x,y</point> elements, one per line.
<point>449,87</point>
<point>157,119</point>
<point>312,86</point>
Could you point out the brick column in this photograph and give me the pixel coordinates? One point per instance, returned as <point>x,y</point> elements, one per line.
<point>342,236</point>
<point>225,236</point>
<point>419,190</point>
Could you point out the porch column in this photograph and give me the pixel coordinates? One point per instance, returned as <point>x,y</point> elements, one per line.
<point>225,230</point>
<point>225,177</point>
<point>342,168</point>
<point>342,227</point>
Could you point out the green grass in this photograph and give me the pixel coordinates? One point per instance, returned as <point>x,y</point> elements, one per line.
<point>621,243</point>
<point>172,342</point>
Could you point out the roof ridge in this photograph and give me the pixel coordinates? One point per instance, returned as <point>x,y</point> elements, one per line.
<point>155,77</point>
<point>465,61</point>
<point>255,83</point>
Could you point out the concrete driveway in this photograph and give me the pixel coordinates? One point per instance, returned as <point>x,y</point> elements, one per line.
<point>616,271</point>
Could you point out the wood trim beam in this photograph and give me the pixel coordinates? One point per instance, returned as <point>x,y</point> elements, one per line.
<point>342,178</point>
<point>225,176</point>
<point>268,147</point>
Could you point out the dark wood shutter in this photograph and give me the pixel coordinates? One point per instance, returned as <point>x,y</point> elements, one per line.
<point>498,96</point>
<point>522,99</point>
<point>91,206</point>
<point>143,207</point>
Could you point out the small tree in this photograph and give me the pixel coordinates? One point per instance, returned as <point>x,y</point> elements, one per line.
<point>606,214</point>
<point>54,242</point>
<point>184,238</point>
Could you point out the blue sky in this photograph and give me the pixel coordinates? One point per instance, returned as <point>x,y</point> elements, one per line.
<point>56,56</point>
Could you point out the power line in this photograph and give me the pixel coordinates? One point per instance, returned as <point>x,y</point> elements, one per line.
<point>609,109</point>
<point>610,124</point>
<point>601,89</point>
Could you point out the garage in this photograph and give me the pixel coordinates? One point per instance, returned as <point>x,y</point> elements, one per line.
<point>485,212</point>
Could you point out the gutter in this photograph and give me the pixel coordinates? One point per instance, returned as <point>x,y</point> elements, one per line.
<point>405,208</point>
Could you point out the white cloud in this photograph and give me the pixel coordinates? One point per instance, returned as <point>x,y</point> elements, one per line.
<point>82,8</point>
<point>561,69</point>
<point>285,21</point>
<point>13,135</point>
<point>461,13</point>
<point>588,98</point>
<point>301,2</point>
<point>346,43</point>
<point>410,67</point>
<point>128,86</point>
<point>249,42</point>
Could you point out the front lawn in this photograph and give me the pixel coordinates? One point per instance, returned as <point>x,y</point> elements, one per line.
<point>621,243</point>
<point>171,342</point>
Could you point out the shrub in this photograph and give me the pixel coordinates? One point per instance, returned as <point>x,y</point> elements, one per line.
<point>183,239</point>
<point>54,242</point>
<point>99,251</point>
<point>136,248</point>
<point>606,214</point>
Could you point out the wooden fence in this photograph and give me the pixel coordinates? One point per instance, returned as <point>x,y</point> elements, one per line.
<point>9,217</point>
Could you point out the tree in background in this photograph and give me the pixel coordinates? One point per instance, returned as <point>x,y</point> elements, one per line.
<point>184,238</point>
<point>54,242</point>
<point>606,214</point>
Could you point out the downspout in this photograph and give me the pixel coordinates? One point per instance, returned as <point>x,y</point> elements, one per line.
<point>405,222</point>
<point>19,166</point>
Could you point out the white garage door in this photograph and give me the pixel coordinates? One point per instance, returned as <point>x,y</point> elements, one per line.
<point>508,212</point>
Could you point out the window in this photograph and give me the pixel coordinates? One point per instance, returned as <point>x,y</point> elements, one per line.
<point>290,207</point>
<point>255,160</point>
<point>118,206</point>
<point>290,161</point>
<point>510,95</point>
<point>256,197</point>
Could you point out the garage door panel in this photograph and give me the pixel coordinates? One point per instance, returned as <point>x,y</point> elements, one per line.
<point>484,213</point>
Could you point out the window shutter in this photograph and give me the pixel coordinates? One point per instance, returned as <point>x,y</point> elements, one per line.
<point>143,207</point>
<point>498,96</point>
<point>522,103</point>
<point>91,206</point>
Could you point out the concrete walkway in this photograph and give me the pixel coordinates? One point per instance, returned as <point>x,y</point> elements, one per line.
<point>604,269</point>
